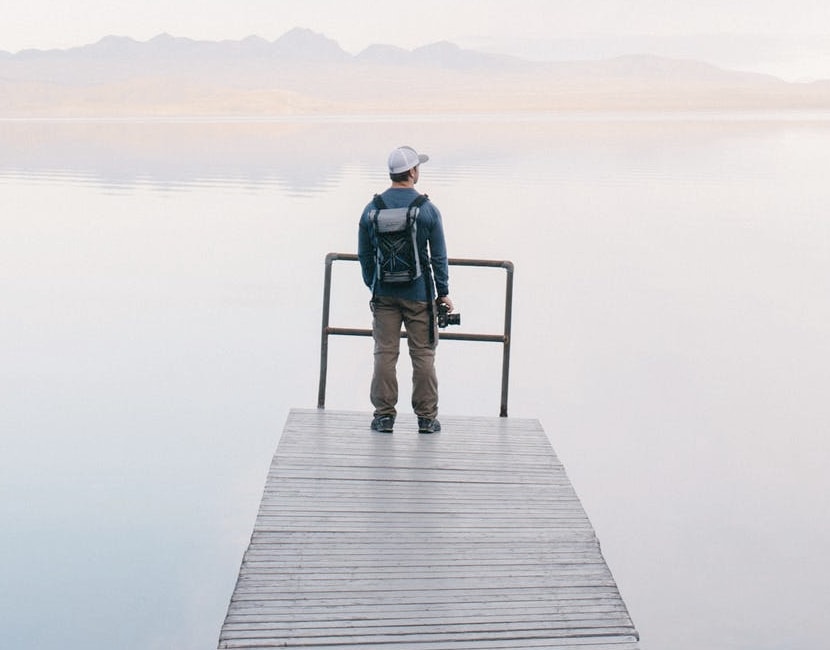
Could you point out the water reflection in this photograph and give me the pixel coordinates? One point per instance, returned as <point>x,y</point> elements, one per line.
<point>304,158</point>
<point>294,157</point>
<point>161,286</point>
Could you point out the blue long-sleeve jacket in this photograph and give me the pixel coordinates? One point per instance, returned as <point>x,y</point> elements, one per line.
<point>431,247</point>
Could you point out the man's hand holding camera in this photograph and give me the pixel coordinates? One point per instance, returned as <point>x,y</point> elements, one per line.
<point>445,315</point>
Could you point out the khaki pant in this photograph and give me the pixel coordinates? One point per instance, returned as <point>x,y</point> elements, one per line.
<point>389,314</point>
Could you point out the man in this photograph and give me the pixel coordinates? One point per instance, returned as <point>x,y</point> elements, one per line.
<point>409,303</point>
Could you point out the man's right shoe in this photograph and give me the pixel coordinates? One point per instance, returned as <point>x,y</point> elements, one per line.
<point>383,423</point>
<point>427,425</point>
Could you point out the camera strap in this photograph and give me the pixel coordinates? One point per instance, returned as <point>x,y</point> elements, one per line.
<point>433,324</point>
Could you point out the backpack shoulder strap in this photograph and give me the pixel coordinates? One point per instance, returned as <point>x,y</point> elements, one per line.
<point>378,201</point>
<point>419,200</point>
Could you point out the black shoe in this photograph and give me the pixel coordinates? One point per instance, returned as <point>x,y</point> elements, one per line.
<point>427,425</point>
<point>383,423</point>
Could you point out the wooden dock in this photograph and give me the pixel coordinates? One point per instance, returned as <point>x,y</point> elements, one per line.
<point>469,539</point>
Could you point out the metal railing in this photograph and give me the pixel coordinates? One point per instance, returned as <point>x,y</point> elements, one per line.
<point>503,338</point>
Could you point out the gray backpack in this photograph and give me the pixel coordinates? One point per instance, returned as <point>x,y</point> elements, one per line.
<point>394,235</point>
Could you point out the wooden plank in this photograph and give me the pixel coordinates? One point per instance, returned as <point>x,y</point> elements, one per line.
<point>469,539</point>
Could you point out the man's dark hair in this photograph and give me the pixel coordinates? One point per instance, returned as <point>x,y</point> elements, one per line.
<point>400,178</point>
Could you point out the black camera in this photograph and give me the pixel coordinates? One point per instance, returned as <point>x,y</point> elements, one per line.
<point>445,317</point>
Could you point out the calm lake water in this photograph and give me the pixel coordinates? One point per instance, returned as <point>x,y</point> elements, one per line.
<point>161,289</point>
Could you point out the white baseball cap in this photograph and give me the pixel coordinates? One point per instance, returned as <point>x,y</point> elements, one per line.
<point>403,159</point>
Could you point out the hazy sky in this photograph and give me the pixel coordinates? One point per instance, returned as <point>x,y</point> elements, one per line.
<point>786,37</point>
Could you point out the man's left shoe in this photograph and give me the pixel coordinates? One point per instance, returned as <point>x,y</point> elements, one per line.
<point>383,423</point>
<point>428,425</point>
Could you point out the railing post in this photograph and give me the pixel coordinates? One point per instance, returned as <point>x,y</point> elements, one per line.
<point>324,335</point>
<point>508,325</point>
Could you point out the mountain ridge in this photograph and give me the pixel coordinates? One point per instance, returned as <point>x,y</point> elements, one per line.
<point>303,71</point>
<point>296,44</point>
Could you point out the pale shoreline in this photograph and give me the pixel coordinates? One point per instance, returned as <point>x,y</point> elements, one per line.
<point>251,89</point>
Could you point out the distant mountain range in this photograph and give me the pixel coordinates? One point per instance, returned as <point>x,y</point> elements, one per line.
<point>303,72</point>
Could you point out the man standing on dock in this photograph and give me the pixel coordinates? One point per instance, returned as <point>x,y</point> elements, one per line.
<point>407,293</point>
